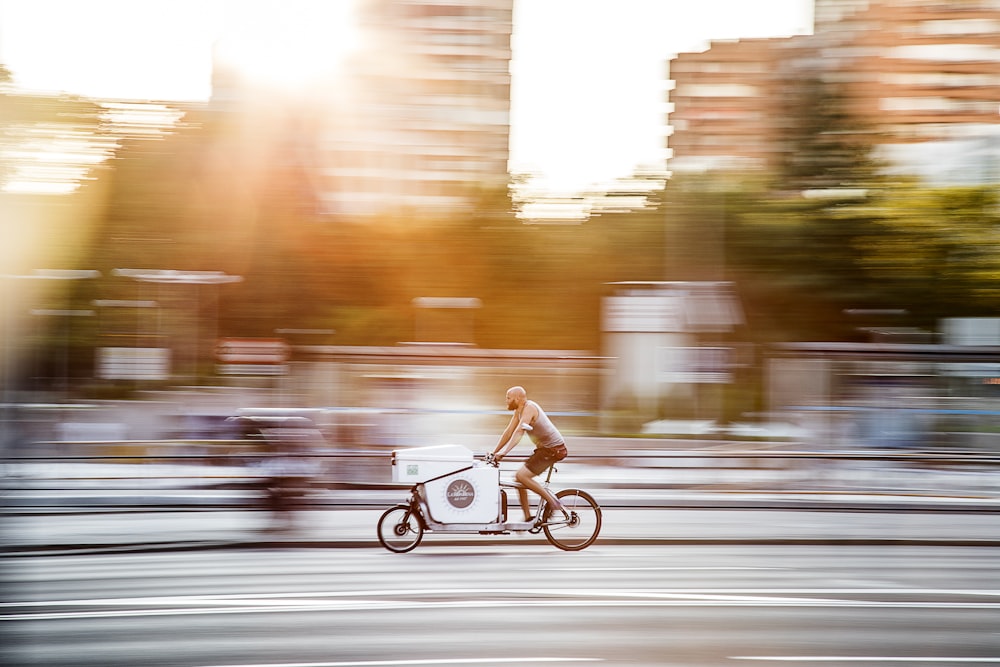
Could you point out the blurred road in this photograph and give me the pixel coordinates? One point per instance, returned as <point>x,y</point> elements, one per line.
<point>199,577</point>
<point>152,531</point>
<point>518,604</point>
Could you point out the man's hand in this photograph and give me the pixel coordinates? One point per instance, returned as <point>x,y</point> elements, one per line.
<point>491,459</point>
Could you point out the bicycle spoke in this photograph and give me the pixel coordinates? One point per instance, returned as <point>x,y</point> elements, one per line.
<point>584,526</point>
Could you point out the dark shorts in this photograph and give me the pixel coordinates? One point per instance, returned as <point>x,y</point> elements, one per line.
<point>543,457</point>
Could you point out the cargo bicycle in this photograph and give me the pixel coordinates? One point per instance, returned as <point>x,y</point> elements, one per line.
<point>454,493</point>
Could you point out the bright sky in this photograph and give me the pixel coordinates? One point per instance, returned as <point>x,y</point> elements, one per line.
<point>588,92</point>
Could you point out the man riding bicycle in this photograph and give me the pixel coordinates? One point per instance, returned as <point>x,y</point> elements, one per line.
<point>550,447</point>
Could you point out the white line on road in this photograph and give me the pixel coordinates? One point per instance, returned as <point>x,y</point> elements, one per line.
<point>860,658</point>
<point>672,568</point>
<point>299,606</point>
<point>405,663</point>
<point>482,598</point>
<point>303,597</point>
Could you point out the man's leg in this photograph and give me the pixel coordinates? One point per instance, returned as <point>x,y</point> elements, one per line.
<point>522,494</point>
<point>527,478</point>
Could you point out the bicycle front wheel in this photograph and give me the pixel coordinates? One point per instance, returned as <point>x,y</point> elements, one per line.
<point>584,524</point>
<point>399,530</point>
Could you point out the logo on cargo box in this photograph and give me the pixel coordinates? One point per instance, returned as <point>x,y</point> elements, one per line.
<point>460,494</point>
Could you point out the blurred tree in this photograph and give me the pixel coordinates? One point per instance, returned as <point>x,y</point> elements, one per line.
<point>218,194</point>
<point>823,145</point>
<point>800,262</point>
<point>544,282</point>
<point>222,194</point>
<point>797,264</point>
<point>792,242</point>
<point>935,251</point>
<point>794,259</point>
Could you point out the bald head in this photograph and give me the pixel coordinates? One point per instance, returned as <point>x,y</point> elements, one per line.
<point>516,396</point>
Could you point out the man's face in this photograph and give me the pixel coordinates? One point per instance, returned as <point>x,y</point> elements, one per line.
<point>511,401</point>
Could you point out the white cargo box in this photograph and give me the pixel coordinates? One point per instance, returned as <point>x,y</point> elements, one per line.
<point>419,464</point>
<point>467,496</point>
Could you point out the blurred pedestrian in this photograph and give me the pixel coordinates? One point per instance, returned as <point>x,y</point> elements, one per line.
<point>281,445</point>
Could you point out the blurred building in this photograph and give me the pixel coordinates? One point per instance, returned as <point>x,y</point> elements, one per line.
<point>920,78</point>
<point>665,340</point>
<point>418,117</point>
<point>423,121</point>
<point>726,106</point>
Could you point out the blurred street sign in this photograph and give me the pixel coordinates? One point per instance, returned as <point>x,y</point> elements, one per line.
<point>252,356</point>
<point>133,363</point>
<point>652,313</point>
<point>62,312</point>
<point>696,365</point>
<point>178,277</point>
<point>672,307</point>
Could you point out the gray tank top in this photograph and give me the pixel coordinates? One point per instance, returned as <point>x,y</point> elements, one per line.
<point>543,432</point>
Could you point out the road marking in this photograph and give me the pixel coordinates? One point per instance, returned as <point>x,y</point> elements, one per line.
<point>483,598</point>
<point>730,594</point>
<point>477,599</point>
<point>437,661</point>
<point>858,658</point>
<point>673,568</point>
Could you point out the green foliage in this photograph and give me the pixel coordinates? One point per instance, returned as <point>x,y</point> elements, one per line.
<point>800,262</point>
<point>217,197</point>
<point>937,250</point>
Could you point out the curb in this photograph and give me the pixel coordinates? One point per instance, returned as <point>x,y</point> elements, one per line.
<point>818,501</point>
<point>160,547</point>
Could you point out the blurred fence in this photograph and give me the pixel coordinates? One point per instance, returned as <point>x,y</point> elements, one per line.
<point>122,476</point>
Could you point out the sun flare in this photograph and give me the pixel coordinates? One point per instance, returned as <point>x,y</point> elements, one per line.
<point>288,44</point>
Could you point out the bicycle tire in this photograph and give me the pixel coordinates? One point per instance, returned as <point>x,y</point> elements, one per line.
<point>399,530</point>
<point>584,527</point>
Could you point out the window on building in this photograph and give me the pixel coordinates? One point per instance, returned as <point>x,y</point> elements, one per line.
<point>718,90</point>
<point>945,52</point>
<point>939,79</point>
<point>979,26</point>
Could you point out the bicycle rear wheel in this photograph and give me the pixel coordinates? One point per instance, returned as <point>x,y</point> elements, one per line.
<point>584,525</point>
<point>399,530</point>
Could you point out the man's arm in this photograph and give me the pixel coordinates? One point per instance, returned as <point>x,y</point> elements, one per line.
<point>505,437</point>
<point>514,431</point>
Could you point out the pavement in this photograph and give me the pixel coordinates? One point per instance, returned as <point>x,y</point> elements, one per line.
<point>72,507</point>
<point>680,519</point>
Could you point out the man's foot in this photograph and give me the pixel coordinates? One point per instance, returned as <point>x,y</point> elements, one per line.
<point>520,528</point>
<point>549,511</point>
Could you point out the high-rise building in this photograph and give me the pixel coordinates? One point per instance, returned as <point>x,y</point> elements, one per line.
<point>414,117</point>
<point>828,13</point>
<point>725,106</point>
<point>920,77</point>
<point>422,118</point>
